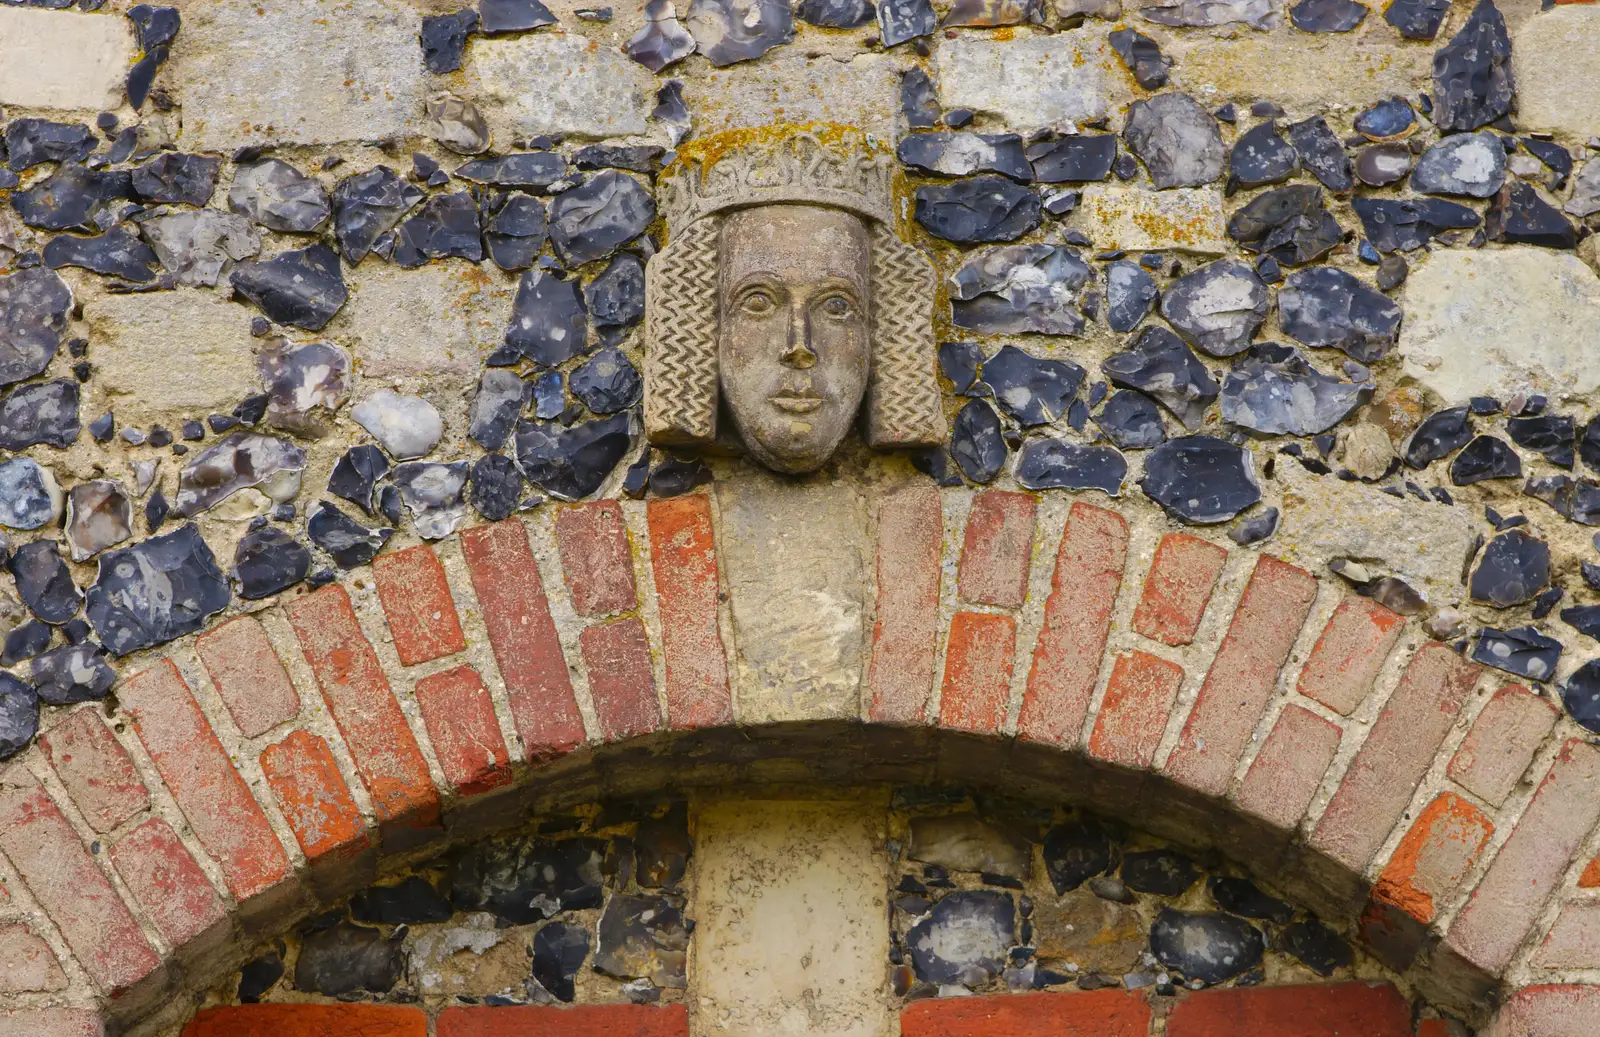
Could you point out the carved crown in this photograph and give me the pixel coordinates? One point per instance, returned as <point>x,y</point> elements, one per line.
<point>814,164</point>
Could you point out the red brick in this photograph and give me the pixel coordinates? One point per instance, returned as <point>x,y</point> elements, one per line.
<point>1349,654</point>
<point>314,798</point>
<point>27,964</point>
<point>595,556</point>
<point>72,889</point>
<point>1133,716</point>
<point>683,558</point>
<point>95,769</point>
<point>998,548</point>
<point>1548,1011</point>
<point>357,693</point>
<point>1433,1028</point>
<point>977,672</point>
<point>1077,618</point>
<point>553,1021</point>
<point>464,730</point>
<point>1243,675</point>
<point>1176,592</point>
<point>167,883</point>
<point>1434,857</point>
<point>222,813</point>
<point>416,600</point>
<point>905,629</point>
<point>523,636</point>
<point>248,674</point>
<point>1496,752</point>
<point>622,681</point>
<point>1574,941</point>
<point>1284,776</point>
<point>1324,1010</point>
<point>1590,879</point>
<point>51,1022</point>
<point>1400,748</point>
<point>1530,866</point>
<point>1098,1013</point>
<point>309,1021</point>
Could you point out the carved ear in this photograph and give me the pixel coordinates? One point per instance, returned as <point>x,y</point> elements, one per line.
<point>904,406</point>
<point>680,331</point>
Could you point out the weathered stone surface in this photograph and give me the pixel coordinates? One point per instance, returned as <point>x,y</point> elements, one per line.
<point>298,71</point>
<point>965,842</point>
<point>1177,140</point>
<point>1095,934</point>
<point>863,91</point>
<point>435,321</point>
<point>57,59</point>
<point>1501,322</point>
<point>1185,219</point>
<point>196,246</point>
<point>584,89</point>
<point>1309,72</point>
<point>139,337</point>
<point>1034,81</point>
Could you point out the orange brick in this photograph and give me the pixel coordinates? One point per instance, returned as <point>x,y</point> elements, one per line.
<point>1077,619</point>
<point>222,813</point>
<point>309,1021</point>
<point>241,662</point>
<point>683,559</point>
<point>95,769</point>
<point>905,629</point>
<point>977,672</point>
<point>562,1021</point>
<point>595,556</point>
<point>167,883</point>
<point>526,649</point>
<point>1284,776</point>
<point>1349,654</point>
<point>1176,592</point>
<point>997,549</point>
<point>621,679</point>
<point>1097,1013</point>
<point>1590,879</point>
<point>1243,675</point>
<point>315,801</point>
<point>1434,857</point>
<point>416,600</point>
<point>1133,715</point>
<point>357,693</point>
<point>1324,1010</point>
<point>1497,751</point>
<point>464,731</point>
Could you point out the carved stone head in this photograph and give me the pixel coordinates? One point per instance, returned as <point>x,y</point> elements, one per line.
<point>785,292</point>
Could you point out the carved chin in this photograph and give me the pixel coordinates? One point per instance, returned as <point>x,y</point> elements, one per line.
<point>794,444</point>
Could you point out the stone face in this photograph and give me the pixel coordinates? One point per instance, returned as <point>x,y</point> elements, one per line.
<point>1032,81</point>
<point>1176,139</point>
<point>1502,322</point>
<point>139,336</point>
<point>298,71</point>
<point>585,89</point>
<point>1134,219</point>
<point>63,60</point>
<point>156,590</point>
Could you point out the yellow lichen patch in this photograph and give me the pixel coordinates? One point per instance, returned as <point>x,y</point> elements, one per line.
<point>1189,219</point>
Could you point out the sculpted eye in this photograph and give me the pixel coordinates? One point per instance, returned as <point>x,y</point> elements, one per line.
<point>758,303</point>
<point>837,306</point>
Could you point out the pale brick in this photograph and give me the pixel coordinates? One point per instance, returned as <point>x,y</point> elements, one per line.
<point>997,549</point>
<point>27,963</point>
<point>1349,654</point>
<point>1133,716</point>
<point>1284,776</point>
<point>95,769</point>
<point>1574,941</point>
<point>61,59</point>
<point>905,628</point>
<point>1496,752</point>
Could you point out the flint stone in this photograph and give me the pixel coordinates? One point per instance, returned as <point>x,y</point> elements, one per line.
<point>195,247</point>
<point>1209,947</point>
<point>1143,57</point>
<point>1131,294</point>
<point>116,253</point>
<point>99,515</point>
<point>979,209</point>
<point>1132,421</point>
<point>729,31</point>
<point>29,495</point>
<point>663,39</point>
<point>1032,391</point>
<point>72,673</point>
<point>243,460</point>
<point>1327,15</point>
<point>1274,390</point>
<point>1260,157</point>
<point>571,462</point>
<point>444,39</point>
<point>1201,479</point>
<point>44,583</point>
<point>1585,200</point>
<point>499,401</point>
<point>305,384</point>
<point>1519,214</point>
<point>434,494</point>
<point>1217,308</point>
<point>278,196</point>
<point>40,412</point>
<point>155,591</point>
<point>446,225</point>
<point>531,169</point>
<point>367,206</point>
<point>1382,164</point>
<point>19,712</point>
<point>268,561</point>
<point>960,154</point>
<point>69,197</point>
<point>174,178</point>
<point>497,16</point>
<point>1514,568</point>
<point>406,426</point>
<point>1034,81</point>
<point>347,542</point>
<point>592,221</point>
<point>357,472</point>
<point>1319,149</point>
<point>1552,435</point>
<point>34,305</point>
<point>549,324</point>
<point>1486,457</point>
<point>965,842</point>
<point>615,298</point>
<point>1317,947</point>
<point>348,958</point>
<point>1472,79</point>
<point>1404,225</point>
<point>496,487</point>
<point>836,14</point>
<point>31,141</point>
<point>414,901</point>
<point>1075,852</point>
<point>1020,289</point>
<point>643,937</point>
<point>1417,19</point>
<point>607,382</point>
<point>1290,224</point>
<point>1058,464</point>
<point>1159,364</point>
<point>919,101</point>
<point>976,442</point>
<point>1176,139</point>
<point>965,939</point>
<point>1439,435</point>
<point>515,231</point>
<point>1258,14</point>
<point>591,91</point>
<point>1523,651</point>
<point>1132,219</point>
<point>1580,695</point>
<point>1072,158</point>
<point>637,158</point>
<point>1469,164</point>
<point>559,951</point>
<point>903,20</point>
<point>1323,306</point>
<point>302,288</point>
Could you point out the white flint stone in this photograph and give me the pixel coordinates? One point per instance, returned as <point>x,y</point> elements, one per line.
<point>552,82</point>
<point>1134,219</point>
<point>63,60</point>
<point>1553,60</point>
<point>406,426</point>
<point>1033,81</point>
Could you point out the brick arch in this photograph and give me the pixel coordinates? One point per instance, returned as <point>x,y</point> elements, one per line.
<point>1044,647</point>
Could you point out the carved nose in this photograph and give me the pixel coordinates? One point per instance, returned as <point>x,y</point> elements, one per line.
<point>798,354</point>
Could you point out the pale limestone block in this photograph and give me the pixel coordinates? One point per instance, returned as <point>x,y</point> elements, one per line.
<point>1309,73</point>
<point>1188,219</point>
<point>1553,59</point>
<point>298,71</point>
<point>1034,81</point>
<point>795,556</point>
<point>430,322</point>
<point>790,936</point>
<point>1497,322</point>
<point>184,350</point>
<point>551,82</point>
<point>63,60</point>
<point>863,92</point>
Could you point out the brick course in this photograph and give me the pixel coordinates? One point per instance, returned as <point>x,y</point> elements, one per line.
<point>314,799</point>
<point>1349,654</point>
<point>595,556</point>
<point>96,770</point>
<point>1178,588</point>
<point>1284,776</point>
<point>27,964</point>
<point>977,672</point>
<point>309,1021</point>
<point>166,882</point>
<point>464,731</point>
<point>1133,716</point>
<point>552,1021</point>
<point>905,630</point>
<point>416,601</point>
<point>1497,751</point>
<point>622,681</point>
<point>1096,1013</point>
<point>1331,1010</point>
<point>684,563</point>
<point>998,547</point>
<point>240,660</point>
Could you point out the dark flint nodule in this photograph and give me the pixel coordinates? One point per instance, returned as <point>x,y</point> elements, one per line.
<point>1274,390</point>
<point>918,99</point>
<point>965,939</point>
<point>730,31</point>
<point>1161,872</point>
<point>34,305</point>
<point>1217,308</point>
<point>157,590</point>
<point>961,362</point>
<point>258,977</point>
<point>72,673</point>
<point>1131,294</point>
<point>513,15</point>
<point>1201,479</point>
<point>30,142</point>
<point>1472,82</point>
<point>643,937</point>
<point>672,112</point>
<point>1177,140</point>
<point>1406,224</point>
<point>25,642</point>
<point>674,477</point>
<point>572,462</point>
<point>39,412</point>
<point>1585,619</point>
<point>1555,158</point>
<point>1552,435</point>
<point>444,40</point>
<point>595,219</point>
<point>1513,569</point>
<point>1242,897</point>
<point>1020,289</point>
<point>357,473</point>
<point>116,253</point>
<point>903,20</point>
<point>549,394</point>
<point>1379,165</point>
<point>302,288</point>
<point>19,715</point>
<point>414,901</point>
<point>1143,57</point>
<point>1321,153</point>
<point>1290,224</point>
<point>267,561</point>
<point>173,178</point>
<point>346,958</point>
<point>434,493</point>
<point>1417,19</point>
<point>1075,852</point>
<point>1468,164</point>
<point>44,583</point>
<point>514,230</point>
<point>1323,306</point>
<point>530,169</point>
<point>1058,464</point>
<point>498,403</point>
<point>495,490</point>
<point>836,14</point>
<point>68,197</point>
<point>1030,390</point>
<point>1519,215</point>
<point>607,382</point>
<point>278,196</point>
<point>559,951</point>
<point>1486,457</point>
<point>367,206</point>
<point>1132,421</point>
<point>1073,158</point>
<point>1589,444</point>
<point>1440,434</point>
<point>638,158</point>
<point>979,209</point>
<point>959,154</point>
<point>549,324</point>
<point>347,542</point>
<point>446,226</point>
<point>1580,695</point>
<point>616,296</point>
<point>1159,364</point>
<point>1209,947</point>
<point>1391,119</point>
<point>1577,500</point>
<point>1260,157</point>
<point>1327,15</point>
<point>976,442</point>
<point>1318,947</point>
<point>1523,651</point>
<point>526,880</point>
<point>153,26</point>
<point>662,40</point>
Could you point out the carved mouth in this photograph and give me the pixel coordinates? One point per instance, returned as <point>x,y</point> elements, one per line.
<point>795,402</point>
